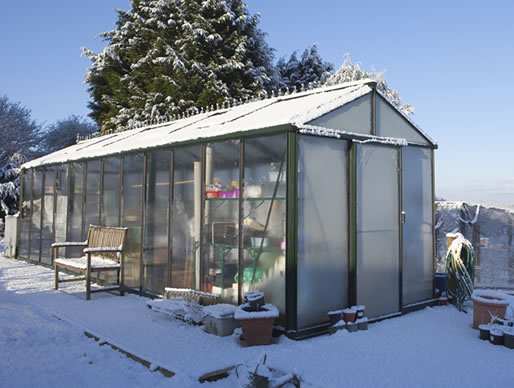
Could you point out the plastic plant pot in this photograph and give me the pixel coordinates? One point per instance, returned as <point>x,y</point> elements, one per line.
<point>349,315</point>
<point>487,303</point>
<point>334,316</point>
<point>360,311</point>
<point>496,336</point>
<point>484,331</point>
<point>508,337</point>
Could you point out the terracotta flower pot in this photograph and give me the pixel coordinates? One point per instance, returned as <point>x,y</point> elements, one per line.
<point>257,331</point>
<point>256,322</point>
<point>349,315</point>
<point>485,304</point>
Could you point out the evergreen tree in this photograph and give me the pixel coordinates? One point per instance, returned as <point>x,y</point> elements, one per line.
<point>10,185</point>
<point>352,72</point>
<point>310,68</point>
<point>167,56</point>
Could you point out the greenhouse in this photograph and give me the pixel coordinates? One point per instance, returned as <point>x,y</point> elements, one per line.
<point>322,199</point>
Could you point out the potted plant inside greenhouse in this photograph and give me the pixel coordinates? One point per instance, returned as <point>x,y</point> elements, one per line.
<point>256,318</point>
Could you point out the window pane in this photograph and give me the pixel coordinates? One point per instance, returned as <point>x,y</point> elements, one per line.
<point>132,202</point>
<point>220,261</point>
<point>185,222</point>
<point>35,236</point>
<point>353,117</point>
<point>23,244</point>
<point>322,228</point>
<point>417,230</point>
<point>47,234</point>
<point>92,194</point>
<point>155,252</point>
<point>111,196</point>
<point>61,191</point>
<point>377,229</point>
<point>264,212</point>
<point>390,123</point>
<point>76,171</point>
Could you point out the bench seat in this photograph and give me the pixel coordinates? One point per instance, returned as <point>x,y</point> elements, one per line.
<point>97,262</point>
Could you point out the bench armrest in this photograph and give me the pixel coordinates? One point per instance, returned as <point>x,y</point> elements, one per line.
<point>69,244</point>
<point>102,249</point>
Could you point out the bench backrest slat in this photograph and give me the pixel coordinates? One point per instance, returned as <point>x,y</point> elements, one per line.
<point>106,237</point>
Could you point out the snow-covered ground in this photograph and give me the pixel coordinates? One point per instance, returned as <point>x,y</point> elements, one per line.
<point>42,343</point>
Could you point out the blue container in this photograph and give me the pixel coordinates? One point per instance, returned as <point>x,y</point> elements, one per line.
<point>440,281</point>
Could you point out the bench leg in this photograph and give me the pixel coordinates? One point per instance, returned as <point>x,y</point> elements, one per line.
<point>56,277</point>
<point>88,285</point>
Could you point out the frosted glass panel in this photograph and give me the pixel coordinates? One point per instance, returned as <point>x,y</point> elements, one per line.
<point>61,201</point>
<point>417,230</point>
<point>377,229</point>
<point>220,253</point>
<point>264,217</point>
<point>184,242</point>
<point>92,213</point>
<point>390,123</point>
<point>353,117</point>
<point>23,244</point>
<point>132,202</point>
<point>155,248</point>
<point>76,171</point>
<point>47,233</point>
<point>37,204</point>
<point>322,228</point>
<point>111,192</point>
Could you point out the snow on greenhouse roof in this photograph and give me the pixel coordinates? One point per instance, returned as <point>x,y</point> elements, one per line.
<point>294,109</point>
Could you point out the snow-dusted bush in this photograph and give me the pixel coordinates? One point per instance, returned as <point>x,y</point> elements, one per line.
<point>350,71</point>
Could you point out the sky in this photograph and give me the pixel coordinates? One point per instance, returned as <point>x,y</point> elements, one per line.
<point>451,60</point>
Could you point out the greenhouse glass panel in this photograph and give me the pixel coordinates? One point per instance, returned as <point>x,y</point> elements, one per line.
<point>61,201</point>
<point>132,203</point>
<point>76,171</point>
<point>23,244</point>
<point>377,229</point>
<point>353,117</point>
<point>391,123</point>
<point>186,217</point>
<point>47,233</point>
<point>264,217</point>
<point>322,228</point>
<point>37,204</point>
<point>92,213</point>
<point>220,252</point>
<point>111,192</point>
<point>155,248</point>
<point>417,229</point>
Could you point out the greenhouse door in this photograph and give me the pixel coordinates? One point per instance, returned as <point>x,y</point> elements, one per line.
<point>417,268</point>
<point>378,232</point>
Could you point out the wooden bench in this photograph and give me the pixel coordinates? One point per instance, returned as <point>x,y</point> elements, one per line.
<point>103,251</point>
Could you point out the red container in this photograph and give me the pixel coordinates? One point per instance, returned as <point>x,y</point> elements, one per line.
<point>212,194</point>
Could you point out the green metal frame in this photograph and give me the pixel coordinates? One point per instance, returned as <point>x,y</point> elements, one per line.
<point>292,231</point>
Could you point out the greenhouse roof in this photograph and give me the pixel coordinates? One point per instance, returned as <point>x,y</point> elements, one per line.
<point>289,111</point>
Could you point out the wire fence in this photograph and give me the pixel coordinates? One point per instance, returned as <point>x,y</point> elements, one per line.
<point>489,230</point>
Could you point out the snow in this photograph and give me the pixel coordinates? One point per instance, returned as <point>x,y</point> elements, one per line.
<point>220,310</point>
<point>266,311</point>
<point>81,262</point>
<point>294,110</point>
<point>42,343</point>
<point>490,297</point>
